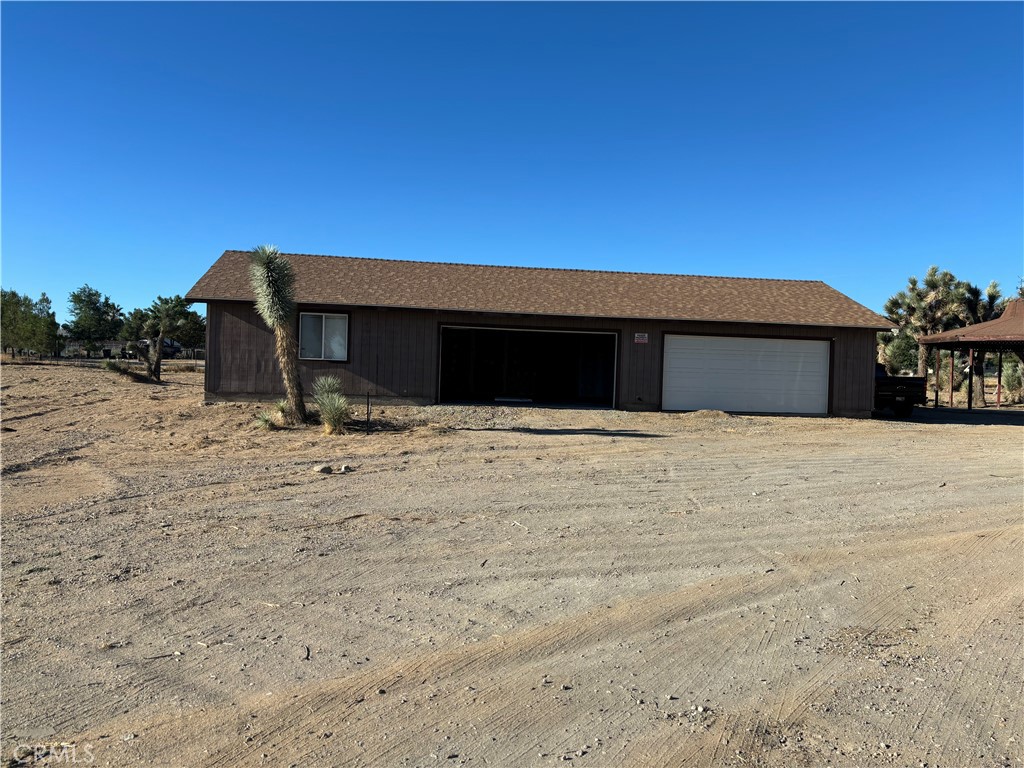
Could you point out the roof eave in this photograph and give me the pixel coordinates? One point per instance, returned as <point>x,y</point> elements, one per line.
<point>639,318</point>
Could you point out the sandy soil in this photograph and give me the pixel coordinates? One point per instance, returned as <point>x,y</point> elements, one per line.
<point>503,586</point>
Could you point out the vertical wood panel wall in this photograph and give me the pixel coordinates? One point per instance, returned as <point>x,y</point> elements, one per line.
<point>394,353</point>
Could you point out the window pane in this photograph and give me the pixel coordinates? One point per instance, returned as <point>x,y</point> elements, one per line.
<point>336,337</point>
<point>311,332</point>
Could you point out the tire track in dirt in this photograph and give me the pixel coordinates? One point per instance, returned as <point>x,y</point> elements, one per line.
<point>529,646</point>
<point>969,712</point>
<point>813,526</point>
<point>883,612</point>
<point>970,551</point>
<point>787,709</point>
<point>470,662</point>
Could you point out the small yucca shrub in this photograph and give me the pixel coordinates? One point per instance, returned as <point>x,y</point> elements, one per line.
<point>266,420</point>
<point>1013,380</point>
<point>326,385</point>
<point>335,411</point>
<point>334,407</point>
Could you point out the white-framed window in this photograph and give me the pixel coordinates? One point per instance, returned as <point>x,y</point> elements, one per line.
<point>323,337</point>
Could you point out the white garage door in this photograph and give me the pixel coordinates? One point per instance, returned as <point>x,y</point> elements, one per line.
<point>745,375</point>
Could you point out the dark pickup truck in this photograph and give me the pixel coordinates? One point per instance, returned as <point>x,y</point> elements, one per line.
<point>898,393</point>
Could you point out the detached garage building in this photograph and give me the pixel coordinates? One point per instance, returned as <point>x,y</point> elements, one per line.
<point>456,333</point>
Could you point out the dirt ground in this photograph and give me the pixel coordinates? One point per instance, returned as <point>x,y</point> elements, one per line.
<point>503,586</point>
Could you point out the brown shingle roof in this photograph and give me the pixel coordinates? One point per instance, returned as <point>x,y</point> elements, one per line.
<point>1006,331</point>
<point>535,291</point>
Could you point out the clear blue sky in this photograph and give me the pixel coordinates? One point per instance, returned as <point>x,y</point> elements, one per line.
<point>855,143</point>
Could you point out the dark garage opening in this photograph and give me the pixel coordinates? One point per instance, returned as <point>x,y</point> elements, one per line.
<point>485,365</point>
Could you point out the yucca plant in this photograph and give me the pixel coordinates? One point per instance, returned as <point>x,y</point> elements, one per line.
<point>334,407</point>
<point>265,420</point>
<point>1013,380</point>
<point>326,385</point>
<point>273,284</point>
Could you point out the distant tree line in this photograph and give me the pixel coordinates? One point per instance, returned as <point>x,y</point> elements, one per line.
<point>30,327</point>
<point>27,325</point>
<point>939,302</point>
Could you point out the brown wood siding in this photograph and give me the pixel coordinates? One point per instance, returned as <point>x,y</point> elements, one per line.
<point>391,354</point>
<point>394,353</point>
<point>853,385</point>
<point>243,361</point>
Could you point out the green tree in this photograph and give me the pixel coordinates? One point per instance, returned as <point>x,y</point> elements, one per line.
<point>15,310</point>
<point>897,351</point>
<point>44,337</point>
<point>26,325</point>
<point>94,318</point>
<point>134,328</point>
<point>925,308</point>
<point>13,315</point>
<point>273,284</point>
<point>189,331</point>
<point>192,333</point>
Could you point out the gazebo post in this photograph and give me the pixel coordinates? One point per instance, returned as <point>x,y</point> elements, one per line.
<point>952,355</point>
<point>999,381</point>
<point>970,379</point>
<point>936,377</point>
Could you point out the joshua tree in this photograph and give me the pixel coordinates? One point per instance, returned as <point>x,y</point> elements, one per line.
<point>926,308</point>
<point>273,284</point>
<point>163,317</point>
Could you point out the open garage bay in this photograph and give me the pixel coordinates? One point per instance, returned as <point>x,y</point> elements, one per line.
<point>487,365</point>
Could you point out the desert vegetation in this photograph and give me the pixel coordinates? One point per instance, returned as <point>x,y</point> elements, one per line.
<point>332,406</point>
<point>940,302</point>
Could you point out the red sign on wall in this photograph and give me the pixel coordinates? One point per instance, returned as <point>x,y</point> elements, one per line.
<point>639,338</point>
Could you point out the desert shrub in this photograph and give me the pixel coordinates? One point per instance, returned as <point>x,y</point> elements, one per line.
<point>266,420</point>
<point>1013,380</point>
<point>282,413</point>
<point>326,385</point>
<point>333,406</point>
<point>180,365</point>
<point>123,369</point>
<point>334,411</point>
<point>941,379</point>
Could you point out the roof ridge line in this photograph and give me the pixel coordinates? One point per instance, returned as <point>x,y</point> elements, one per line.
<point>546,269</point>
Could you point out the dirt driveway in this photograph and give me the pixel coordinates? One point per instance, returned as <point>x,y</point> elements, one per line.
<point>497,586</point>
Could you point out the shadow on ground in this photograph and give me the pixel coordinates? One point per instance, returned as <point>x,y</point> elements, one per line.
<point>991,416</point>
<point>562,431</point>
<point>378,425</point>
